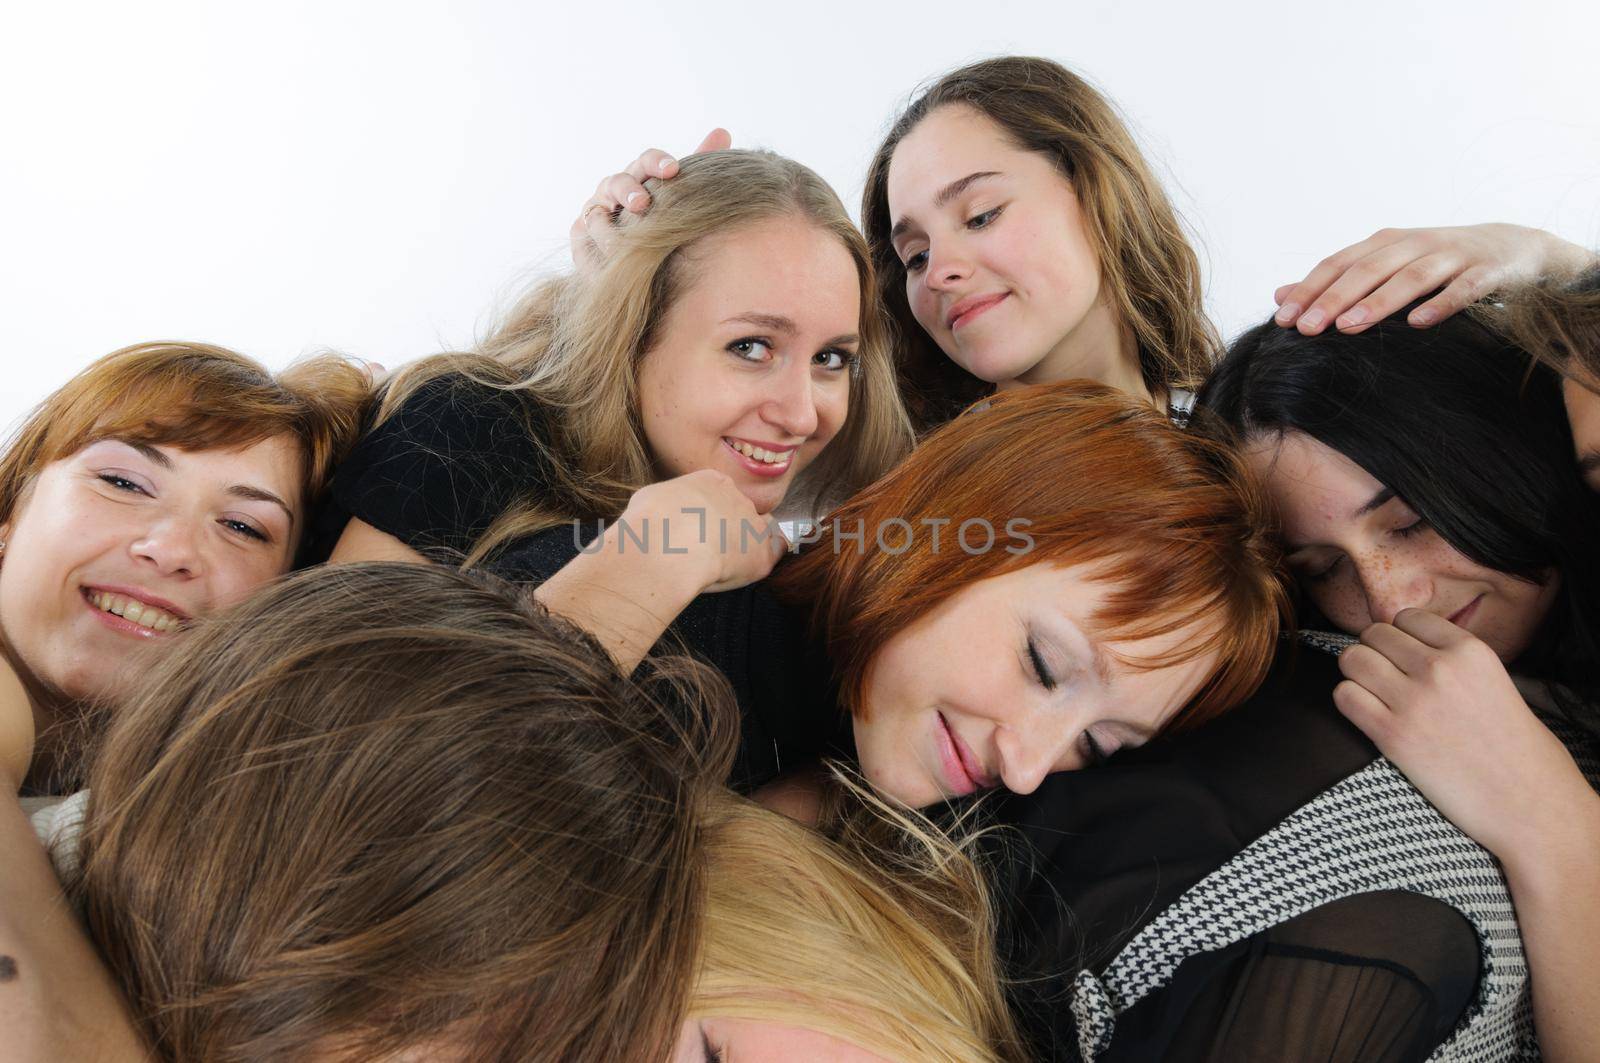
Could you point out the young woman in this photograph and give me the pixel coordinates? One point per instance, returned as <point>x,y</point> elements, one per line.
<point>1020,237</point>
<point>1431,505</point>
<point>164,481</point>
<point>470,837</point>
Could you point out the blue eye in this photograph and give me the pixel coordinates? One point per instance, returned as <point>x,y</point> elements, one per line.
<point>979,221</point>
<point>750,348</point>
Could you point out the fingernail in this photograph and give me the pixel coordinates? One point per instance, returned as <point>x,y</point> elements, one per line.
<point>1287,313</point>
<point>1352,317</point>
<point>635,197</point>
<point>1312,319</point>
<point>1424,317</point>
<point>668,161</point>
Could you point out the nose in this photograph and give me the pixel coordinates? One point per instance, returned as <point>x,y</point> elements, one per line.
<point>171,545</point>
<point>1025,758</point>
<point>948,266</point>
<point>792,408</point>
<point>1390,588</point>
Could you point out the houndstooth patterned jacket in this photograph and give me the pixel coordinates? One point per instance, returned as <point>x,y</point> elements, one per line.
<point>1372,831</point>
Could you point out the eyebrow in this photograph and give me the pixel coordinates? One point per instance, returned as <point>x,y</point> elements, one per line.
<point>785,325</point>
<point>254,494</point>
<point>1377,501</point>
<point>945,195</point>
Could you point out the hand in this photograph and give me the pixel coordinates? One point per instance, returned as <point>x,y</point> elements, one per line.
<point>1366,282</point>
<point>1438,703</point>
<point>591,233</point>
<point>700,520</point>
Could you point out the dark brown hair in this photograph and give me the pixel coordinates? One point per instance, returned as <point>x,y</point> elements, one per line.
<point>1150,273</point>
<point>390,806</point>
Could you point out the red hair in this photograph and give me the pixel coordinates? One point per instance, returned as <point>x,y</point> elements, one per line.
<point>1177,529</point>
<point>196,397</point>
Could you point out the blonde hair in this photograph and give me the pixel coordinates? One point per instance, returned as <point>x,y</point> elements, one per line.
<point>197,397</point>
<point>881,935</point>
<point>380,806</point>
<point>574,344</point>
<point>1147,266</point>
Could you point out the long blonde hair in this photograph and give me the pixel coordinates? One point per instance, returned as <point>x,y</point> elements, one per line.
<point>385,806</point>
<point>1147,265</point>
<point>574,345</point>
<point>880,934</point>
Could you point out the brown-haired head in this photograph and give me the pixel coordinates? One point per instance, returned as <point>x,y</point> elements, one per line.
<point>1177,529</point>
<point>1148,271</point>
<point>390,806</point>
<point>1556,320</point>
<point>193,396</point>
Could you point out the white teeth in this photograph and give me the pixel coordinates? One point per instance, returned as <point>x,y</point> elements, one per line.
<point>767,457</point>
<point>134,611</point>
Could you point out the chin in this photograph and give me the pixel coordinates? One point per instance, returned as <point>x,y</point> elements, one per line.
<point>996,367</point>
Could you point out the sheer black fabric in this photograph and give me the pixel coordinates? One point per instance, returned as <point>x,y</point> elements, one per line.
<point>1381,976</point>
<point>454,457</point>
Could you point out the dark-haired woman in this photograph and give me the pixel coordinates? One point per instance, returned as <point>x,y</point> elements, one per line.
<point>1431,505</point>
<point>1021,237</point>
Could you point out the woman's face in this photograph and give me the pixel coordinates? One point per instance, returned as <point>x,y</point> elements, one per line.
<point>116,546</point>
<point>1583,412</point>
<point>751,373</point>
<point>1006,682</point>
<point>1362,554</point>
<point>718,1040</point>
<point>999,267</point>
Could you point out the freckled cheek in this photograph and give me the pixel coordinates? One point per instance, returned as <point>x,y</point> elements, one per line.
<point>1342,603</point>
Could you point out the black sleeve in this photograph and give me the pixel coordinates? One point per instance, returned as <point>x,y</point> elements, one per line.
<point>1375,978</point>
<point>439,471</point>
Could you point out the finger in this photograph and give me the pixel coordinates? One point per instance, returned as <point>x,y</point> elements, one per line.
<point>1410,282</point>
<point>1366,710</point>
<point>1364,276</point>
<point>1400,648</point>
<point>1429,629</point>
<point>621,190</point>
<point>599,229</point>
<point>653,162</point>
<point>1469,287</point>
<point>1372,670</point>
<point>718,139</point>
<point>1302,295</point>
<point>1281,293</point>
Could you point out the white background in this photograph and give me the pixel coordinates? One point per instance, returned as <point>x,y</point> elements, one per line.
<point>380,178</point>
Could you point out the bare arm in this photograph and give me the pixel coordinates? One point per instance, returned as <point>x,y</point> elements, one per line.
<point>57,1000</point>
<point>362,542</point>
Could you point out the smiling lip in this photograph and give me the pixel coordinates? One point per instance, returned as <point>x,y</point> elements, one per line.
<point>122,625</point>
<point>761,468</point>
<point>971,307</point>
<point>1460,617</point>
<point>972,765</point>
<point>956,779</point>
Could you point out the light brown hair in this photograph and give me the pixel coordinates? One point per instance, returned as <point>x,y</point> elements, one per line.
<point>1179,530</point>
<point>575,343</point>
<point>1148,270</point>
<point>196,397</point>
<point>384,806</point>
<point>1557,321</point>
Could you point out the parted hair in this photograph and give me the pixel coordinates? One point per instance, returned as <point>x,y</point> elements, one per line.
<point>387,806</point>
<point>1149,273</point>
<point>575,343</point>
<point>1176,528</point>
<point>194,396</point>
<point>879,930</point>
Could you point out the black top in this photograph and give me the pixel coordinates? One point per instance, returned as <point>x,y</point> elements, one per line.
<point>458,454</point>
<point>1379,976</point>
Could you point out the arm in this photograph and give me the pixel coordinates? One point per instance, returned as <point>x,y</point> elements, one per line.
<point>1439,704</point>
<point>677,539</point>
<point>1368,281</point>
<point>57,1000</point>
<point>360,541</point>
<point>16,730</point>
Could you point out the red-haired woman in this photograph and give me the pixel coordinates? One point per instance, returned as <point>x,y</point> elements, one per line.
<point>165,480</point>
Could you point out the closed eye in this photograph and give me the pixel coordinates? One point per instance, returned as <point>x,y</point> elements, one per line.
<point>1040,671</point>
<point>1091,749</point>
